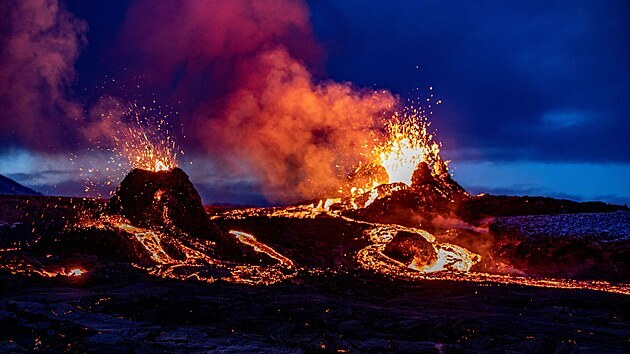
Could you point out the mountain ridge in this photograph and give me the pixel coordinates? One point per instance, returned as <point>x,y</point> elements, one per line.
<point>9,186</point>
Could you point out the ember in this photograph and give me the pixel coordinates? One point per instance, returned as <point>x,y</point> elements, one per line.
<point>147,142</point>
<point>408,144</point>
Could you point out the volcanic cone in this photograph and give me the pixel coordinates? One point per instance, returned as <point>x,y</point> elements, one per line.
<point>166,199</point>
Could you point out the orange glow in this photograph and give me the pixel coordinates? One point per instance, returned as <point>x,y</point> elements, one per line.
<point>60,272</point>
<point>195,256</point>
<point>408,143</point>
<point>260,247</point>
<point>148,150</point>
<point>454,263</point>
<point>132,137</point>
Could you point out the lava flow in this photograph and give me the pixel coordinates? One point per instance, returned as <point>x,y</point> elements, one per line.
<point>391,219</point>
<point>415,171</point>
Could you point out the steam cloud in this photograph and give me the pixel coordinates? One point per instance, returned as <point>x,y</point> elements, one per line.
<point>242,67</point>
<point>39,42</point>
<point>239,72</point>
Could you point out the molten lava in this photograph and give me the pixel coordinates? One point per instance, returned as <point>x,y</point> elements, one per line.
<point>149,150</point>
<point>408,144</point>
<point>157,214</point>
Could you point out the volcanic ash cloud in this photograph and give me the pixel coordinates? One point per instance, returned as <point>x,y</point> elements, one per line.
<point>39,43</point>
<point>241,72</point>
<point>301,138</point>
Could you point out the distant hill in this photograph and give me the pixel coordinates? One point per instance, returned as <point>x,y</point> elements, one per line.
<point>9,186</point>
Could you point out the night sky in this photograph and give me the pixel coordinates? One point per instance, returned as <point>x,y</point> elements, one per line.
<point>534,92</point>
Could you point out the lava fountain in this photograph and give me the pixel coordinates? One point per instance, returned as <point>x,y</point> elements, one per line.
<point>407,144</point>
<point>147,143</point>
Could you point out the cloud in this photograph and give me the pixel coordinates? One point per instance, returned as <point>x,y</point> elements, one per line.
<point>241,72</point>
<point>193,49</point>
<point>564,119</point>
<point>40,41</point>
<point>500,68</point>
<point>577,181</point>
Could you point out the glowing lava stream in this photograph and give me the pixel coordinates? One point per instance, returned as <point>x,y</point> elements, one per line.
<point>196,262</point>
<point>372,257</point>
<point>47,272</point>
<point>449,257</point>
<point>260,247</point>
<point>74,272</point>
<point>452,265</point>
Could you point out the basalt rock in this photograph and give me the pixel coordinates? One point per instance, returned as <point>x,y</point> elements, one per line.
<point>409,247</point>
<point>439,179</point>
<point>167,199</point>
<point>432,196</point>
<point>162,198</point>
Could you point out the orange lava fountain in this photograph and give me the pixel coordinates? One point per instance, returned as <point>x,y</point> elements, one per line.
<point>147,143</point>
<point>137,137</point>
<point>408,143</point>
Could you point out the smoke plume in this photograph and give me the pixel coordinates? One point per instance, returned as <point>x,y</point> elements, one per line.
<point>194,48</point>
<point>301,138</point>
<point>39,43</point>
<point>242,74</point>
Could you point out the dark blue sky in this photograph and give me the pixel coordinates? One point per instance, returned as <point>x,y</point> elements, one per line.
<point>539,87</point>
<point>543,80</point>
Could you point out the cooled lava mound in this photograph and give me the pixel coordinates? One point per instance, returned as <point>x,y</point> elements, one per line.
<point>411,248</point>
<point>163,198</point>
<point>168,200</point>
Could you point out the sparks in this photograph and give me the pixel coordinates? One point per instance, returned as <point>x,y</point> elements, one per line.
<point>139,137</point>
<point>147,143</point>
<point>408,143</point>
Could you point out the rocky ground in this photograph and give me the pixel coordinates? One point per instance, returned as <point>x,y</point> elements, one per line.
<point>606,227</point>
<point>329,306</point>
<point>577,246</point>
<point>336,312</point>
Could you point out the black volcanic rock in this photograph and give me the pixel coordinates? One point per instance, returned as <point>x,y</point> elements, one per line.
<point>162,198</point>
<point>431,194</point>
<point>485,205</point>
<point>9,186</point>
<point>166,199</point>
<point>408,247</point>
<point>439,179</point>
<point>422,175</point>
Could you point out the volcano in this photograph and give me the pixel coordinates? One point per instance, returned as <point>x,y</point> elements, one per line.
<point>155,272</point>
<point>167,200</point>
<point>432,192</point>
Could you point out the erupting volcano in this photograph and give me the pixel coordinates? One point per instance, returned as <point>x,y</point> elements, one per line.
<point>398,215</point>
<point>349,232</point>
<point>409,218</point>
